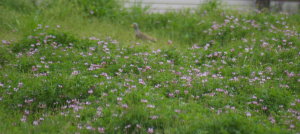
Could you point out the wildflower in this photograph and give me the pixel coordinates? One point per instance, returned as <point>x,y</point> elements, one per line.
<point>293,104</point>
<point>20,85</point>
<point>138,126</point>
<point>35,123</point>
<point>151,106</point>
<point>88,127</point>
<point>124,106</point>
<point>104,94</point>
<point>179,73</point>
<point>128,126</point>
<point>150,130</point>
<point>23,119</point>
<point>90,91</point>
<point>79,126</point>
<point>264,108</point>
<point>177,110</point>
<point>154,117</point>
<point>101,129</point>
<point>170,42</point>
<point>26,112</point>
<point>143,100</point>
<point>248,114</point>
<point>4,41</point>
<point>33,68</point>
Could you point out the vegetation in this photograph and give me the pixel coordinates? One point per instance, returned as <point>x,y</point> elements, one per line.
<point>75,67</point>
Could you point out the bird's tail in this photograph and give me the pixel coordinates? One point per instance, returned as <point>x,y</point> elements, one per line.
<point>154,40</point>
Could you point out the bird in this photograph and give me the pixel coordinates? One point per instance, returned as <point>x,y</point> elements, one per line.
<point>140,35</point>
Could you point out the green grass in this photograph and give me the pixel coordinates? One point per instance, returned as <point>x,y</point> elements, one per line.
<point>213,71</point>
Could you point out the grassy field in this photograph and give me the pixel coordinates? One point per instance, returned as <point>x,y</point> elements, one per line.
<point>76,67</point>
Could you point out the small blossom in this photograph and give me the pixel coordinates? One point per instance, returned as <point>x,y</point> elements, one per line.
<point>90,91</point>
<point>35,123</point>
<point>264,108</point>
<point>101,129</point>
<point>150,130</point>
<point>20,85</point>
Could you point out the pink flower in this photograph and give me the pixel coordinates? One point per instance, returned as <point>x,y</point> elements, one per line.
<point>179,73</point>
<point>264,108</point>
<point>26,112</point>
<point>90,91</point>
<point>4,41</point>
<point>35,123</point>
<point>104,94</point>
<point>20,85</point>
<point>75,73</point>
<point>33,68</point>
<point>150,130</point>
<point>24,118</point>
<point>125,106</point>
<point>101,129</point>
<point>248,114</point>
<point>170,42</point>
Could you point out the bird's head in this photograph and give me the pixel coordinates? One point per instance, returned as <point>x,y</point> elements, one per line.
<point>135,25</point>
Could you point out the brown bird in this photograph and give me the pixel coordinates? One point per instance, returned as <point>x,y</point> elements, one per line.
<point>140,35</point>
